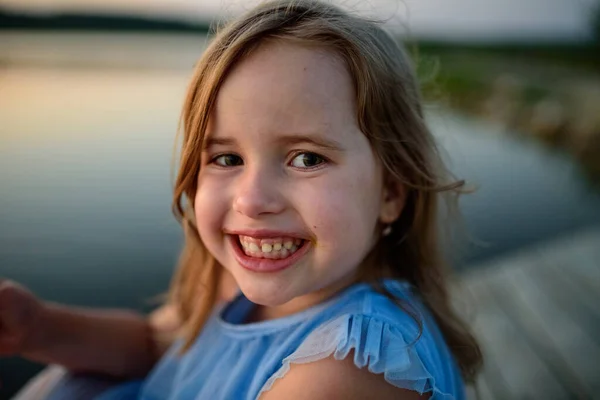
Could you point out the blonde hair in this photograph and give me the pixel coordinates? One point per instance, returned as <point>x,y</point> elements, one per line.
<point>389,113</point>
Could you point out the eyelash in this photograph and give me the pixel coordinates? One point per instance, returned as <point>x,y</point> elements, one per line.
<point>324,160</point>
<point>214,159</point>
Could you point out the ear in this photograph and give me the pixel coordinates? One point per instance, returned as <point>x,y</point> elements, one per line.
<point>392,201</point>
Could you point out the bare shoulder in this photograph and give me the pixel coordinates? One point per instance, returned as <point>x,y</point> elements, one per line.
<point>335,379</point>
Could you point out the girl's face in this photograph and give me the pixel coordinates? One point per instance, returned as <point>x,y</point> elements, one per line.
<point>289,193</point>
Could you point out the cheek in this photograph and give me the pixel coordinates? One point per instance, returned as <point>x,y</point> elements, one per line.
<point>345,211</point>
<point>209,209</point>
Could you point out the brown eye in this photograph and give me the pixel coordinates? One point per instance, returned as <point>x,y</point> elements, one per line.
<point>307,160</point>
<point>228,160</point>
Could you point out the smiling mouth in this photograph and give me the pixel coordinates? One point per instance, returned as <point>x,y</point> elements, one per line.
<point>271,248</point>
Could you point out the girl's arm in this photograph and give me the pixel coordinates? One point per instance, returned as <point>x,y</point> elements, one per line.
<point>118,343</point>
<point>336,379</point>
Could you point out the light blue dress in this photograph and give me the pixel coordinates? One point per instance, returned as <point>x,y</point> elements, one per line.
<point>236,360</point>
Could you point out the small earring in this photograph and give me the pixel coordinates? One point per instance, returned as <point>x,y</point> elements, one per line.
<point>387,230</point>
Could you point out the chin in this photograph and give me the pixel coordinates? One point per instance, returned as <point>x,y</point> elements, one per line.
<point>269,295</point>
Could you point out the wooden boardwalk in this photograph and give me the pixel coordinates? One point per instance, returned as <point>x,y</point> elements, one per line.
<point>537,316</point>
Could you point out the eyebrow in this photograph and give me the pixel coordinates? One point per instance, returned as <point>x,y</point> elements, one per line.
<point>211,141</point>
<point>313,139</point>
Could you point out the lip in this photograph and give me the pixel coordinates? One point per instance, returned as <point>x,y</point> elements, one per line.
<point>265,265</point>
<point>267,233</point>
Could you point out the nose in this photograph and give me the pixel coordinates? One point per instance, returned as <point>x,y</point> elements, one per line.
<point>258,194</point>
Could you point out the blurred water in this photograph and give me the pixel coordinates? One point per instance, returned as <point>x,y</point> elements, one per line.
<point>85,170</point>
<point>524,193</point>
<point>85,161</point>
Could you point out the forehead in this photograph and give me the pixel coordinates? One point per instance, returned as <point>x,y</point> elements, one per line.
<point>284,87</point>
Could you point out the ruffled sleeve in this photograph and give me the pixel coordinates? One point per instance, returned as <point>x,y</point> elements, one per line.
<point>390,348</point>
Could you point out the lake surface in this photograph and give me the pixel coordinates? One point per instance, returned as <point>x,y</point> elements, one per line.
<point>87,132</point>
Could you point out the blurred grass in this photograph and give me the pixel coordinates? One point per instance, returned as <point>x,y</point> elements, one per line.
<point>466,73</point>
<point>549,92</point>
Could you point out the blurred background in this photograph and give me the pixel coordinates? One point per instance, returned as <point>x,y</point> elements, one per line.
<point>90,95</point>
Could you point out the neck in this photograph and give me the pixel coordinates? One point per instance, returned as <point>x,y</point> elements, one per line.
<point>300,303</point>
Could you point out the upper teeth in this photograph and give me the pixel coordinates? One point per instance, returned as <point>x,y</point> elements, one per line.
<point>274,247</point>
<point>253,247</point>
<point>266,248</point>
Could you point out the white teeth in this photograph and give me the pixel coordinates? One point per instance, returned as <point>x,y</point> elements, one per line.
<point>275,248</point>
<point>253,247</point>
<point>266,248</point>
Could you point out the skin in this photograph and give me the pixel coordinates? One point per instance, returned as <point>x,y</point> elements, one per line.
<point>254,175</point>
<point>331,379</point>
<point>117,343</point>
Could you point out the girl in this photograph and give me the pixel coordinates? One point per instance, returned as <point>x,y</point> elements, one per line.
<point>307,173</point>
